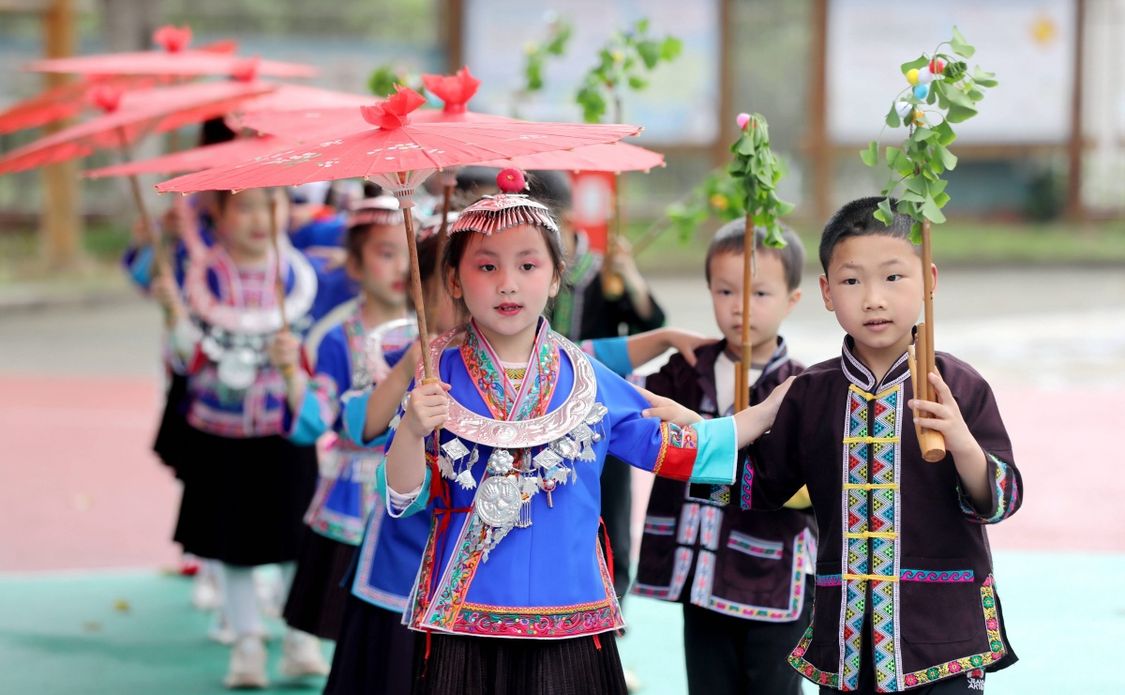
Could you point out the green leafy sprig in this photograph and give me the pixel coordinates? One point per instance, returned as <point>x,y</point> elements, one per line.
<point>941,91</point>
<point>756,170</point>
<point>718,196</point>
<point>536,54</point>
<point>624,62</point>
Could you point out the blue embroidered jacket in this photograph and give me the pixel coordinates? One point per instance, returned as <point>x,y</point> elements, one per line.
<point>549,579</point>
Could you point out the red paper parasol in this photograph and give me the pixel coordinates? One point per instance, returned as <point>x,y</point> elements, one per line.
<point>174,58</point>
<point>399,154</point>
<point>63,101</point>
<point>195,159</point>
<point>130,116</point>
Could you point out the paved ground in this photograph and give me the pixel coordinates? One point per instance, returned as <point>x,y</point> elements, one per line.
<point>88,510</point>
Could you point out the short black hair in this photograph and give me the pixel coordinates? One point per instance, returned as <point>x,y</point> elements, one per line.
<point>731,238</point>
<point>552,188</point>
<point>857,218</point>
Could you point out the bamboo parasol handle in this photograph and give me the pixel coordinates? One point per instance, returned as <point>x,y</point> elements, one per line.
<point>160,256</point>
<point>287,370</point>
<point>416,294</point>
<point>612,284</point>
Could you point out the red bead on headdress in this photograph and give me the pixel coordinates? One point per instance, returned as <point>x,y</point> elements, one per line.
<point>495,213</point>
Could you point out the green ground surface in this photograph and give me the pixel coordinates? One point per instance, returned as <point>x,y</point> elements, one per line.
<point>133,632</point>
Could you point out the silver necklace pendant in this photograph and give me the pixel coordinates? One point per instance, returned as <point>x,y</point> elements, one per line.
<point>500,462</point>
<point>238,367</point>
<point>498,501</point>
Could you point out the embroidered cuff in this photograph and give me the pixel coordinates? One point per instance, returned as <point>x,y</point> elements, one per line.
<point>309,422</point>
<point>398,504</point>
<point>611,352</point>
<point>139,264</point>
<point>355,419</point>
<point>717,457</point>
<point>1005,494</point>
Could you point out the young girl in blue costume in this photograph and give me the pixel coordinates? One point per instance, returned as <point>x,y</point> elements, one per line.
<point>374,652</point>
<point>526,421</point>
<point>246,487</point>
<point>350,353</point>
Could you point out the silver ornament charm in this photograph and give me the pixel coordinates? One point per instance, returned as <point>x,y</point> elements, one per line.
<point>238,368</point>
<point>500,462</point>
<point>498,502</point>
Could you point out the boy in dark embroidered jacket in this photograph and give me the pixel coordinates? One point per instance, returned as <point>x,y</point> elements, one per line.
<point>740,575</point>
<point>905,596</point>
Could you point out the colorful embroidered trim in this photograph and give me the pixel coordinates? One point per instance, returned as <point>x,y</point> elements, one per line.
<point>763,613</point>
<point>797,660</point>
<point>1005,504</point>
<point>997,650</point>
<point>770,550</point>
<point>545,622</point>
<point>710,521</point>
<point>937,576</point>
<point>660,525</point>
<point>688,530</point>
<point>680,568</point>
<point>829,579</point>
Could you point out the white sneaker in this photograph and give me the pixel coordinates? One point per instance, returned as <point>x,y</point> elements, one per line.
<point>205,592</point>
<point>271,592</point>
<point>632,681</point>
<point>247,664</point>
<point>220,630</point>
<point>301,656</point>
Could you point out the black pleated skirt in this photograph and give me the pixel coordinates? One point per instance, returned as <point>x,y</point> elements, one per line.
<point>320,587</point>
<point>496,666</point>
<point>244,499</point>
<point>374,653</point>
<point>172,435</point>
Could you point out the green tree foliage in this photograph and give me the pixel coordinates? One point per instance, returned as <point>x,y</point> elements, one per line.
<point>756,170</point>
<point>623,63</point>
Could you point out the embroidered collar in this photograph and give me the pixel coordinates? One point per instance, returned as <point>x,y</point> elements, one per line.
<point>504,401</point>
<point>708,355</point>
<point>858,373</point>
<point>367,349</point>
<point>227,309</point>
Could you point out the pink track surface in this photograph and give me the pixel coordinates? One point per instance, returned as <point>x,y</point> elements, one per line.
<point>81,489</point>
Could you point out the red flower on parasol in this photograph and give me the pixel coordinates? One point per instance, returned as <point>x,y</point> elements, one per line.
<point>455,91</point>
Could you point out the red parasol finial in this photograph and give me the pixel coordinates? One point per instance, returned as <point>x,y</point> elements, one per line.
<point>511,180</point>
<point>246,70</point>
<point>106,97</point>
<point>171,38</point>
<point>395,111</point>
<point>455,91</point>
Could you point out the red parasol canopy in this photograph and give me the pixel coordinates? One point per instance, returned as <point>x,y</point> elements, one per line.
<point>397,147</point>
<point>221,154</point>
<point>288,99</point>
<point>616,157</point>
<point>172,58</point>
<point>61,102</point>
<point>130,116</point>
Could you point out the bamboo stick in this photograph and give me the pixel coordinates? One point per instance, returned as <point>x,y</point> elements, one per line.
<point>742,395</point>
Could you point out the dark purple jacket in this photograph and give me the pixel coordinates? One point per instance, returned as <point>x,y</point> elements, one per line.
<point>701,548</point>
<point>903,554</point>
